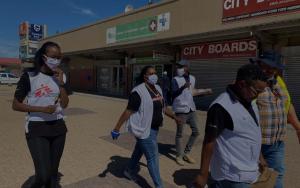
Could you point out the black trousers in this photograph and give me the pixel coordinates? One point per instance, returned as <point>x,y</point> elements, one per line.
<point>46,153</point>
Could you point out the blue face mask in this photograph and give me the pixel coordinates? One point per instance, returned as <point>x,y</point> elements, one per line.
<point>152,79</point>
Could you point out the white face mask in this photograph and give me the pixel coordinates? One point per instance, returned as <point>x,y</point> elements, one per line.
<point>52,63</point>
<point>152,79</point>
<point>180,72</point>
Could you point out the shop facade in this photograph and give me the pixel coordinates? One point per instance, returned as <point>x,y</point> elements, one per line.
<point>214,64</point>
<point>217,37</point>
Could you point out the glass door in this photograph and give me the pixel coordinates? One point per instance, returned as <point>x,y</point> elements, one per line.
<point>118,82</point>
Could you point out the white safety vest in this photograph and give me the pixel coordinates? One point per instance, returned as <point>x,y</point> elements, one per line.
<point>139,123</point>
<point>185,101</point>
<point>236,154</point>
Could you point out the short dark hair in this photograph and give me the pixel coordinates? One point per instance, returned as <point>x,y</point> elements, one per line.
<point>249,73</point>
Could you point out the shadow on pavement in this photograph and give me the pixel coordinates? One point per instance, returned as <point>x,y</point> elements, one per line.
<point>116,168</point>
<point>30,181</point>
<point>185,177</point>
<point>167,150</point>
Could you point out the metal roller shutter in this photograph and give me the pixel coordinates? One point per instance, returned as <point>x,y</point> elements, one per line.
<point>292,74</point>
<point>215,74</point>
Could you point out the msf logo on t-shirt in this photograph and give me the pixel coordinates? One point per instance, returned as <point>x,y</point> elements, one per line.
<point>43,91</point>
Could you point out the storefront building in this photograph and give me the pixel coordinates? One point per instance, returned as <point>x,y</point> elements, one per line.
<point>216,36</point>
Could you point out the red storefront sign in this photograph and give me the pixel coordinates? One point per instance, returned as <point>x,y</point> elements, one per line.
<point>243,9</point>
<point>225,49</point>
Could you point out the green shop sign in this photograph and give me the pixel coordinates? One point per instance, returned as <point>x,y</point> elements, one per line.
<point>138,29</point>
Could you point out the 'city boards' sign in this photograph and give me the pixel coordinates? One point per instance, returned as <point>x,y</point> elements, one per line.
<point>242,9</point>
<point>224,49</point>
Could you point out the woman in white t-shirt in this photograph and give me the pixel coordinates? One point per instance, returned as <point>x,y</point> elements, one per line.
<point>42,94</point>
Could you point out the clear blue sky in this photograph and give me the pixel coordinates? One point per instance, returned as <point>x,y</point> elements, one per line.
<point>58,15</point>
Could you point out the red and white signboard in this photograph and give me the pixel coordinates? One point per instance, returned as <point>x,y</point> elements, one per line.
<point>243,9</point>
<point>225,49</point>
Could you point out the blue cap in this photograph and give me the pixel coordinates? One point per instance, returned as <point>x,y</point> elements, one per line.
<point>183,62</point>
<point>270,58</point>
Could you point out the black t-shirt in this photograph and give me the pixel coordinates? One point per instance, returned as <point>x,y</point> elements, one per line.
<point>38,128</point>
<point>134,103</point>
<point>219,119</point>
<point>23,87</point>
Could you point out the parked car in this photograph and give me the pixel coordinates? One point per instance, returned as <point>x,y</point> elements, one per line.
<point>8,78</point>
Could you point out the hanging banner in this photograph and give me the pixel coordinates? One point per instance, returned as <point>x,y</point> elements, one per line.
<point>224,49</point>
<point>242,9</point>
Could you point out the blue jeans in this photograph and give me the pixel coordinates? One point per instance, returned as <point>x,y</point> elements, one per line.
<point>190,119</point>
<point>149,148</point>
<point>274,155</point>
<point>228,184</point>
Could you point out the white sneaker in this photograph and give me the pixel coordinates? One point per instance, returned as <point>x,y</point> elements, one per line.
<point>189,159</point>
<point>179,161</point>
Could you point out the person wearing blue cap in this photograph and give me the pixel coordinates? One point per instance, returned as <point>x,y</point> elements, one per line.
<point>183,90</point>
<point>276,111</point>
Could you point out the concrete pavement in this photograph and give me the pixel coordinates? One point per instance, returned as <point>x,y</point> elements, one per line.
<point>92,159</point>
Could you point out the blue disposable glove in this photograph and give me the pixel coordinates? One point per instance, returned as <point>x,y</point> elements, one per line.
<point>115,134</point>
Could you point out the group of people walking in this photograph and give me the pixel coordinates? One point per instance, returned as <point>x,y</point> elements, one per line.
<point>144,116</point>
<point>245,126</point>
